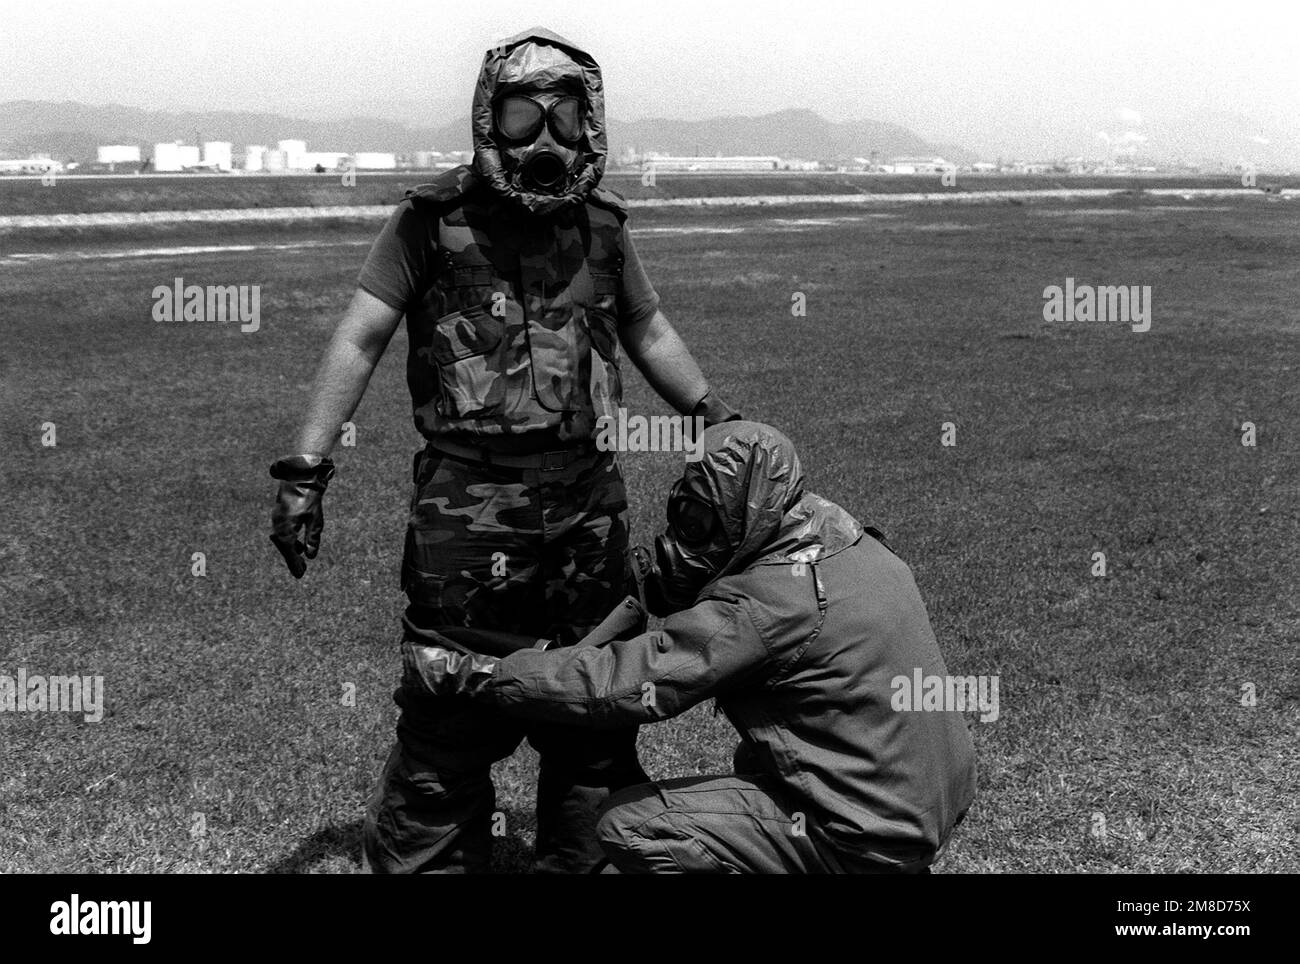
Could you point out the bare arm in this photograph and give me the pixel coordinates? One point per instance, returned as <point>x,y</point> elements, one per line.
<point>663,358</point>
<point>358,343</point>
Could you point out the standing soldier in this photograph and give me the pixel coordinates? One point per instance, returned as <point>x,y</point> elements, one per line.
<point>518,281</point>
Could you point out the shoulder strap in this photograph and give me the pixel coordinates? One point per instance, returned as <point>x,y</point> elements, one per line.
<point>434,201</point>
<point>447,188</point>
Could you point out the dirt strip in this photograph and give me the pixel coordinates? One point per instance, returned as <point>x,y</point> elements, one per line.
<point>379,211</point>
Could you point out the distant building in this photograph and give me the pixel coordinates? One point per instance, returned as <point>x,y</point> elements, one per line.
<point>274,160</point>
<point>440,161</point>
<point>915,165</point>
<point>254,157</point>
<point>217,155</point>
<point>869,164</point>
<point>174,156</point>
<point>118,154</point>
<point>666,164</point>
<point>293,152</point>
<point>1031,167</point>
<point>329,160</point>
<point>31,165</point>
<point>374,161</point>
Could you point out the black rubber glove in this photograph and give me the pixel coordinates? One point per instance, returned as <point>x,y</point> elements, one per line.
<point>297,519</point>
<point>445,669</point>
<point>714,410</point>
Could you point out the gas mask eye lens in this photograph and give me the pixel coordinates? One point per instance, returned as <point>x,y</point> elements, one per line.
<point>693,520</point>
<point>519,118</point>
<point>566,119</point>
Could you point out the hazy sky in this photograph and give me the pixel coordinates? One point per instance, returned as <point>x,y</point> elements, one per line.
<point>998,77</point>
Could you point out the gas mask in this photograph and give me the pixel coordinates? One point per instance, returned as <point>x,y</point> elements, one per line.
<point>538,122</point>
<point>688,555</point>
<point>539,134</point>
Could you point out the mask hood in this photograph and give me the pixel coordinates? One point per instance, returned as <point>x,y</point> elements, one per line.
<point>755,482</point>
<point>535,61</point>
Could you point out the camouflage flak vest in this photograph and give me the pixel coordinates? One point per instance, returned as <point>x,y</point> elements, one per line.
<point>517,331</point>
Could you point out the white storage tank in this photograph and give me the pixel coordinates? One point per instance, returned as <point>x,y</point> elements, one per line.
<point>174,156</point>
<point>375,161</point>
<point>217,154</point>
<point>294,152</point>
<point>118,154</point>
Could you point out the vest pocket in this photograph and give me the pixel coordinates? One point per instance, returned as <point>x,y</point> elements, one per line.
<point>466,346</point>
<point>559,349</point>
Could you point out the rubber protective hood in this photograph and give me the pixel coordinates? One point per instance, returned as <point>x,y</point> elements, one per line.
<point>756,483</point>
<point>534,60</point>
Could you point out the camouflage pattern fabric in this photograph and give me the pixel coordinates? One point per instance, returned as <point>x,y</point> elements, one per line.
<point>518,331</point>
<point>542,553</point>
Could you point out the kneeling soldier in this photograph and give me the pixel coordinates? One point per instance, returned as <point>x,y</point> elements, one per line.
<point>797,619</point>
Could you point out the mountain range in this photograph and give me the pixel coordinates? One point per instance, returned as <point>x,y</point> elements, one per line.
<point>71,130</point>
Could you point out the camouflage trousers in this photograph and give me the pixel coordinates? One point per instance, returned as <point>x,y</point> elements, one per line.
<point>530,551</point>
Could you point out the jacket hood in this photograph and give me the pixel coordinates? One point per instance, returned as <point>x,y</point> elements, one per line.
<point>535,59</point>
<point>754,480</point>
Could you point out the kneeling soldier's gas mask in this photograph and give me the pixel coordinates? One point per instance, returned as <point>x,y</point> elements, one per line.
<point>740,503</point>
<point>689,554</point>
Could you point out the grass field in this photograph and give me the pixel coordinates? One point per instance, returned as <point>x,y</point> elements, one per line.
<point>1120,696</point>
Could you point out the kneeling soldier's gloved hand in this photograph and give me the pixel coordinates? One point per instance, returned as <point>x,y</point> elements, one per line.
<point>714,410</point>
<point>454,660</point>
<point>297,519</point>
